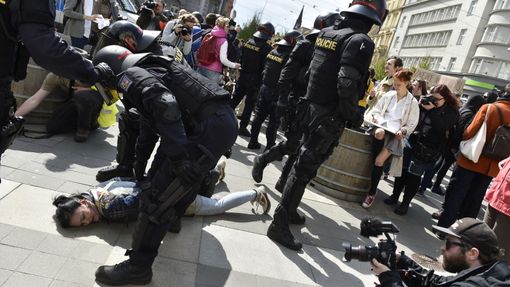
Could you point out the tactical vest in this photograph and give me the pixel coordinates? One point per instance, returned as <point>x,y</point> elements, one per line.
<point>253,53</point>
<point>325,64</point>
<point>192,91</point>
<point>275,61</point>
<point>8,41</point>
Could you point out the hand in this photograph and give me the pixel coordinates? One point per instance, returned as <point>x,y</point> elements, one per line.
<point>428,106</point>
<point>374,119</point>
<point>378,267</point>
<point>178,29</point>
<point>92,17</point>
<point>186,171</point>
<point>186,38</point>
<point>238,66</point>
<point>80,88</point>
<point>105,75</point>
<point>399,135</point>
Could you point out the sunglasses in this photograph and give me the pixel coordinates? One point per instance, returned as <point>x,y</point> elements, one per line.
<point>449,244</point>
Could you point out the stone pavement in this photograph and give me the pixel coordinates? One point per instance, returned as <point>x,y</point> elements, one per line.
<point>224,250</point>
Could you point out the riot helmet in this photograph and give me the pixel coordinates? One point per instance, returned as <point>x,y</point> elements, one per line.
<point>126,33</point>
<point>324,20</point>
<point>264,31</point>
<point>375,10</point>
<point>117,57</point>
<point>290,38</point>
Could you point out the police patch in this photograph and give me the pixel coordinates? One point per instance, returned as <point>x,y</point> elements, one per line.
<point>124,83</point>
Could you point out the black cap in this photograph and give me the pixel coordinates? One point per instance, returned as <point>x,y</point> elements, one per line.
<point>475,233</point>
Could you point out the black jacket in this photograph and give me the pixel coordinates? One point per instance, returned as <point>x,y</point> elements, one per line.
<point>434,125</point>
<point>494,274</point>
<point>467,113</point>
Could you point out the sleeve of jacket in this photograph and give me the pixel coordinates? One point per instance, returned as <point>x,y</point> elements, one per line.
<point>69,9</point>
<point>144,19</point>
<point>52,53</point>
<point>413,119</point>
<point>168,37</point>
<point>186,49</point>
<point>476,123</point>
<point>354,63</point>
<point>291,71</point>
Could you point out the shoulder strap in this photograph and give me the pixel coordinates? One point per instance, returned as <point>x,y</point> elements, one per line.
<point>501,118</point>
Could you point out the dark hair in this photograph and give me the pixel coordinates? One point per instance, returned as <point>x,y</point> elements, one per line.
<point>66,206</point>
<point>491,97</point>
<point>423,86</point>
<point>404,75</point>
<point>210,19</point>
<point>445,92</point>
<point>398,61</point>
<point>371,72</point>
<point>483,257</point>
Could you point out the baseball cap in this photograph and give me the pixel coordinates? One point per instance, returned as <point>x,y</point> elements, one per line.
<point>474,232</point>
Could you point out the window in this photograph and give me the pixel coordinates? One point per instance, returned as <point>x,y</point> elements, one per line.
<point>475,65</point>
<point>462,35</point>
<point>472,7</point>
<point>451,64</point>
<point>502,4</point>
<point>488,35</point>
<point>403,21</point>
<point>504,71</point>
<point>397,40</point>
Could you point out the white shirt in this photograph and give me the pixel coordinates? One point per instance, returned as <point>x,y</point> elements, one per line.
<point>87,10</point>
<point>393,116</point>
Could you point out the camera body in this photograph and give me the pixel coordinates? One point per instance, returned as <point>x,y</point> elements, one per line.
<point>428,99</point>
<point>385,250</point>
<point>151,4</point>
<point>185,31</point>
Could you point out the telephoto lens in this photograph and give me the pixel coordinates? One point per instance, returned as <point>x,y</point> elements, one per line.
<point>360,253</point>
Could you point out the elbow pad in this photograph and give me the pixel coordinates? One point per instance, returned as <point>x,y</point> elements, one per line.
<point>167,108</point>
<point>348,78</point>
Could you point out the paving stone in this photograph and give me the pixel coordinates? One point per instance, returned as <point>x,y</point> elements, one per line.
<point>5,229</point>
<point>215,276</point>
<point>34,179</point>
<point>7,187</point>
<point>42,264</point>
<point>91,252</point>
<point>77,271</point>
<point>9,160</point>
<point>185,245</point>
<point>16,256</point>
<point>24,238</point>
<point>60,283</point>
<point>168,272</point>
<point>5,171</point>
<point>73,187</point>
<point>253,254</point>
<point>58,245</point>
<point>26,280</point>
<point>4,274</point>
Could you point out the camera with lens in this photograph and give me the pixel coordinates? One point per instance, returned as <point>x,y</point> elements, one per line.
<point>385,250</point>
<point>150,4</point>
<point>185,31</point>
<point>428,99</point>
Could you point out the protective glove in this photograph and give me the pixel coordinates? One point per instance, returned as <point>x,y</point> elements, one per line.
<point>139,168</point>
<point>105,75</point>
<point>186,171</point>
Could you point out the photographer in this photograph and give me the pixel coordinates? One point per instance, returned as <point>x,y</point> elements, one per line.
<point>471,250</point>
<point>438,114</point>
<point>177,33</point>
<point>151,16</point>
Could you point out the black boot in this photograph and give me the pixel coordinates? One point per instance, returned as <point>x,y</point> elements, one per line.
<point>124,273</point>
<point>121,170</point>
<point>257,171</point>
<point>280,184</point>
<point>296,218</point>
<point>279,230</point>
<point>254,145</point>
<point>291,198</point>
<point>243,131</point>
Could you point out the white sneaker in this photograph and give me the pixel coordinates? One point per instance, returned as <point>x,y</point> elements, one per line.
<point>261,199</point>
<point>220,167</point>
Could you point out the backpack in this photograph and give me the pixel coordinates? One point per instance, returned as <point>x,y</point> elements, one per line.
<point>206,54</point>
<point>499,147</point>
<point>64,21</point>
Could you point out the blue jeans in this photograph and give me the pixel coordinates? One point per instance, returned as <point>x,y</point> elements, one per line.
<point>464,195</point>
<point>79,42</point>
<point>211,75</point>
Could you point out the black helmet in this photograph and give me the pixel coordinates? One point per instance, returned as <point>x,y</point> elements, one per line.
<point>290,38</point>
<point>264,31</point>
<point>375,10</point>
<point>199,17</point>
<point>324,20</point>
<point>117,57</point>
<point>118,28</point>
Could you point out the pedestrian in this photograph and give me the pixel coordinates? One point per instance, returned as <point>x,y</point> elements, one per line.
<point>396,114</point>
<point>497,215</point>
<point>438,114</point>
<point>291,89</point>
<point>212,55</point>
<point>33,25</point>
<point>470,180</point>
<point>268,96</point>
<point>419,89</point>
<point>193,117</point>
<point>253,58</point>
<point>393,64</point>
<point>152,15</point>
<point>79,23</point>
<point>178,33</point>
<point>109,10</point>
<point>337,81</point>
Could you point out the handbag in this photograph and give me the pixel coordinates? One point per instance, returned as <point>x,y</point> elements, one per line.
<point>472,148</point>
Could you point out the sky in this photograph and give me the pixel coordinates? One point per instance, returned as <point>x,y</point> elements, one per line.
<point>283,13</point>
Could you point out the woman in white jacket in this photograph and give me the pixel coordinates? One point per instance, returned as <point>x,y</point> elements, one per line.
<point>177,33</point>
<point>395,117</point>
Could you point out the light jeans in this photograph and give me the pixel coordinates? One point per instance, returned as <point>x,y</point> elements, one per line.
<point>212,206</point>
<point>211,75</point>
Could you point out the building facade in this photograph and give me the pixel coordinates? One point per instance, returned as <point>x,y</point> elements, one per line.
<point>383,35</point>
<point>223,7</point>
<point>463,38</point>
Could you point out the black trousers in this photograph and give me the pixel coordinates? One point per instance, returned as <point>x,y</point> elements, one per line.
<point>248,86</point>
<point>266,107</point>
<point>217,133</point>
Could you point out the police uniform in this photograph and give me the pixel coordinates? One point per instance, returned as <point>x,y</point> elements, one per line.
<point>340,61</point>
<point>253,57</point>
<point>291,88</point>
<point>196,124</point>
<point>27,29</point>
<point>266,104</point>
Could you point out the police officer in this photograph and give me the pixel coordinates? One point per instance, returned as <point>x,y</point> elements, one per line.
<point>253,57</point>
<point>27,30</point>
<point>336,82</point>
<point>266,104</point>
<point>196,124</point>
<point>291,88</point>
